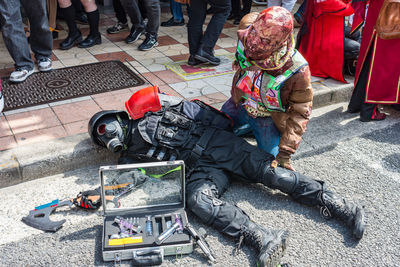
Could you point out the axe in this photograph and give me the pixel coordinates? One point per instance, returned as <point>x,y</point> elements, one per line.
<point>39,218</point>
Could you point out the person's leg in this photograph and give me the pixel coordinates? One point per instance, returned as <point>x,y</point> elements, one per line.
<point>299,15</point>
<point>197,17</point>
<point>246,7</point>
<point>15,39</point>
<point>204,187</point>
<point>80,16</point>
<point>205,52</point>
<point>239,158</point>
<point>241,126</point>
<point>266,133</point>
<point>120,13</point>
<point>351,50</point>
<point>93,15</point>
<point>153,10</point>
<point>177,11</point>
<point>132,9</point>
<point>74,35</point>
<point>122,23</point>
<point>274,3</point>
<point>357,103</point>
<point>41,39</point>
<point>236,9</point>
<point>177,15</point>
<point>288,4</point>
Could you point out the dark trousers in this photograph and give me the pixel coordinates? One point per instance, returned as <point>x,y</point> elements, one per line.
<point>237,11</point>
<point>357,101</point>
<point>153,12</point>
<point>119,11</point>
<point>41,39</point>
<point>198,9</point>
<point>226,157</point>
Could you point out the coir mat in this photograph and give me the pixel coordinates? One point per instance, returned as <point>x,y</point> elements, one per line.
<point>66,83</point>
<point>189,73</point>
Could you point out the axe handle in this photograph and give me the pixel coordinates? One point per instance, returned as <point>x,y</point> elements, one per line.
<point>95,198</point>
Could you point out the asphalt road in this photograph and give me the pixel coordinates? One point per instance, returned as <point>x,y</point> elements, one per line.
<point>360,161</point>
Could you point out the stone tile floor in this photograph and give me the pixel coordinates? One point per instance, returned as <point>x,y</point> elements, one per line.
<point>60,119</point>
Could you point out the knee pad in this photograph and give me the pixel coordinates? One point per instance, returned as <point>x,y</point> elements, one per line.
<point>280,178</point>
<point>205,205</point>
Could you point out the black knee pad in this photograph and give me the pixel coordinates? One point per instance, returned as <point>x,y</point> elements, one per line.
<point>205,205</point>
<point>280,178</point>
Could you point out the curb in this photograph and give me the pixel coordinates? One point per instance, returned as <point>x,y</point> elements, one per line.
<point>30,162</point>
<point>324,95</point>
<point>34,161</point>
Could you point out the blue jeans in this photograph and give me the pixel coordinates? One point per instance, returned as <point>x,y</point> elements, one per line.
<point>176,10</point>
<point>264,129</point>
<point>41,39</point>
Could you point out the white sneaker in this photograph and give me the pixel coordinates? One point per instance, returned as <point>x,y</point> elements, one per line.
<point>20,75</point>
<point>1,101</point>
<point>44,65</point>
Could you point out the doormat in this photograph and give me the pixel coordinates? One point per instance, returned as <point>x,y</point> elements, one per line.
<point>189,73</point>
<point>66,83</point>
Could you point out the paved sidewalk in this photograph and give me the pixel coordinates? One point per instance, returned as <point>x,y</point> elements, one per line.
<point>52,138</point>
<point>42,123</point>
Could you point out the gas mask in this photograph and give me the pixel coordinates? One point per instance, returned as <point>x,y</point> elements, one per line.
<point>111,134</point>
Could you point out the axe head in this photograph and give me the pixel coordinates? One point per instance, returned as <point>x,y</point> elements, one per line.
<point>39,218</point>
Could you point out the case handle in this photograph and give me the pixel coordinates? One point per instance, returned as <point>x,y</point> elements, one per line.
<point>148,257</point>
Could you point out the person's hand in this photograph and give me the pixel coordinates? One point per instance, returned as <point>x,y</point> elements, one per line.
<point>282,160</point>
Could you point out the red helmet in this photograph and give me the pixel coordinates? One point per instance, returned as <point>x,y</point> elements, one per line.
<point>143,101</point>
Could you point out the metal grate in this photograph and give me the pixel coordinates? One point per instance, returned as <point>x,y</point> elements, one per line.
<point>66,83</point>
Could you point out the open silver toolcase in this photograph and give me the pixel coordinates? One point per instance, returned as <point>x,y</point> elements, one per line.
<point>140,202</point>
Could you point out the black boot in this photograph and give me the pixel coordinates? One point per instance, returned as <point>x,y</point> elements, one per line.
<point>351,214</point>
<point>94,36</point>
<point>270,244</point>
<point>74,35</point>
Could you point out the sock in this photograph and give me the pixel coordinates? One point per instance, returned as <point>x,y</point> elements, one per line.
<point>69,14</point>
<point>93,18</point>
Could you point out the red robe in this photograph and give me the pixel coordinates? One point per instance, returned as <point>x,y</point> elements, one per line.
<point>322,45</point>
<point>383,86</point>
<point>359,14</point>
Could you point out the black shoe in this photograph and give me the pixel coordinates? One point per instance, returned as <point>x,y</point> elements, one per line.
<point>90,41</point>
<point>70,41</point>
<point>270,244</point>
<point>148,43</point>
<point>118,27</point>
<point>192,61</point>
<point>396,106</point>
<point>236,21</point>
<point>134,35</point>
<point>81,18</point>
<point>231,16</point>
<point>351,214</point>
<point>171,22</point>
<point>204,57</point>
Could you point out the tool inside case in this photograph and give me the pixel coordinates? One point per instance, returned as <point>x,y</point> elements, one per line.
<point>148,207</point>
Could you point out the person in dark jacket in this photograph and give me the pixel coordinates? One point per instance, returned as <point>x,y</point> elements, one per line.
<point>168,128</point>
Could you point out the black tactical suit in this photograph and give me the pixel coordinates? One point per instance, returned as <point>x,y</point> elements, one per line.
<point>202,137</point>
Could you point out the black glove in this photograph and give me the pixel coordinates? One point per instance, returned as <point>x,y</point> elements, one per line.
<point>88,199</point>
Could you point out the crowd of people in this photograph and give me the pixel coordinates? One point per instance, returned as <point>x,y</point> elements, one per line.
<point>329,42</point>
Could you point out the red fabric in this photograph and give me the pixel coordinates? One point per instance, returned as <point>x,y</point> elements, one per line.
<point>359,14</point>
<point>322,45</point>
<point>384,72</point>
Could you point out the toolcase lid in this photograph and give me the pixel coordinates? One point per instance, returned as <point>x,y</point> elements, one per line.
<point>142,187</point>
